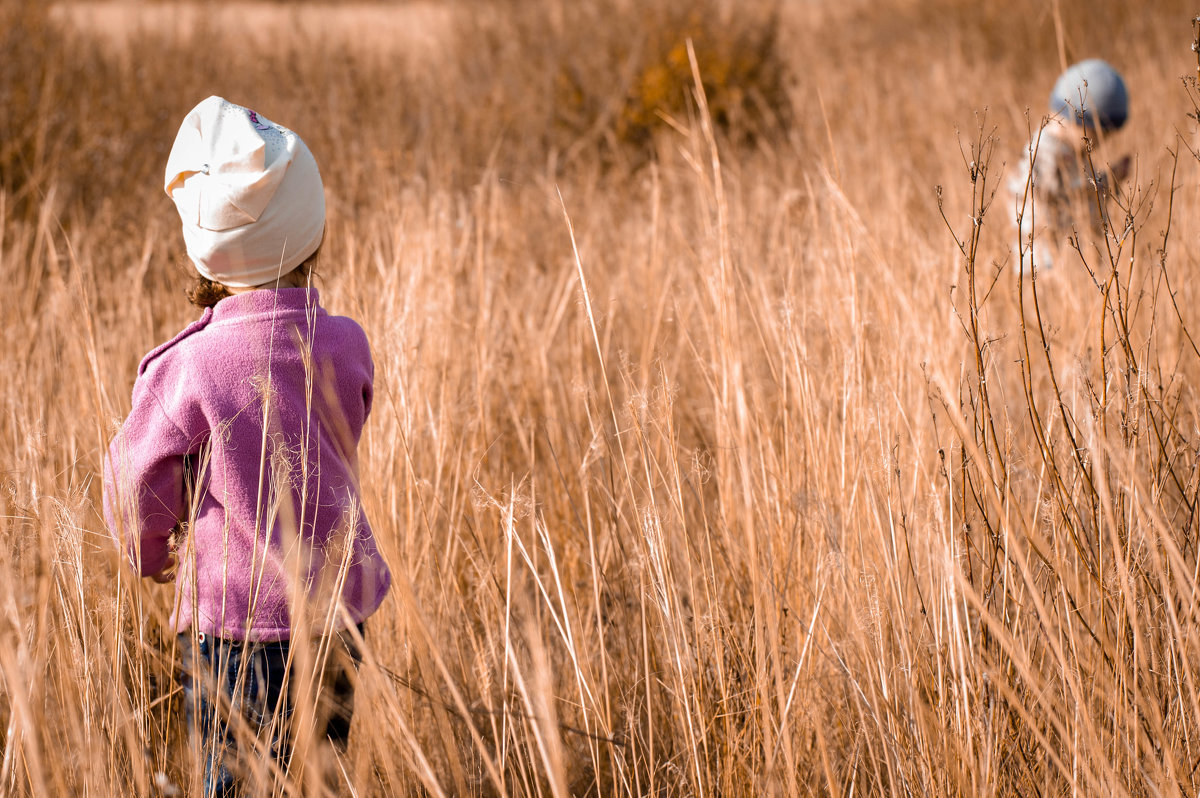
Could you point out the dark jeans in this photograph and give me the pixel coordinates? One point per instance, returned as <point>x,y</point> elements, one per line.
<point>226,678</point>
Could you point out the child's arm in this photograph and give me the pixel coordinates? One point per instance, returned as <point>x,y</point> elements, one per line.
<point>144,484</point>
<point>368,393</point>
<point>1120,169</point>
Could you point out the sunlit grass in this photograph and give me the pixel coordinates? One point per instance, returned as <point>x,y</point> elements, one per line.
<point>685,470</point>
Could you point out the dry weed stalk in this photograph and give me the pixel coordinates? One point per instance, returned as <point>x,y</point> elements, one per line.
<point>1078,506</point>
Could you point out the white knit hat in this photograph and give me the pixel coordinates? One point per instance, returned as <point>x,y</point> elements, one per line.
<point>248,192</point>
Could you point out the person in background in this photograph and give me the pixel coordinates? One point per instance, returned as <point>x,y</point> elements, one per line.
<point>235,474</point>
<point>1062,182</point>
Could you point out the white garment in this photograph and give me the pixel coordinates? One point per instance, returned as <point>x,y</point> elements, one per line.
<point>1062,191</point>
<point>248,192</point>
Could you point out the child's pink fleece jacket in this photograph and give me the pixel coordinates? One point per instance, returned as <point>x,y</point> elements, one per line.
<point>258,407</point>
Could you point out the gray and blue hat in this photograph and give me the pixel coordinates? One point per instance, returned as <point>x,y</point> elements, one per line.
<point>1092,94</point>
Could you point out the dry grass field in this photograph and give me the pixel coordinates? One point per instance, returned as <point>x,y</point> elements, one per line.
<point>706,460</point>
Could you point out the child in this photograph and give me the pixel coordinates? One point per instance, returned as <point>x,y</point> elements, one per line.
<point>1055,183</point>
<point>236,472</point>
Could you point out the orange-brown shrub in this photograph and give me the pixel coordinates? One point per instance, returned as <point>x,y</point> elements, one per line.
<point>611,73</point>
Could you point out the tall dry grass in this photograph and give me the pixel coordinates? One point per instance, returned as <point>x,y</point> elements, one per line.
<point>710,468</point>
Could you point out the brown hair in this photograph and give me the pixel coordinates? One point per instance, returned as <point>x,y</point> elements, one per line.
<point>204,293</point>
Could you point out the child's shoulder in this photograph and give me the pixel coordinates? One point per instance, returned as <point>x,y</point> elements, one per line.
<point>344,328</point>
<point>188,331</point>
<point>347,325</point>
